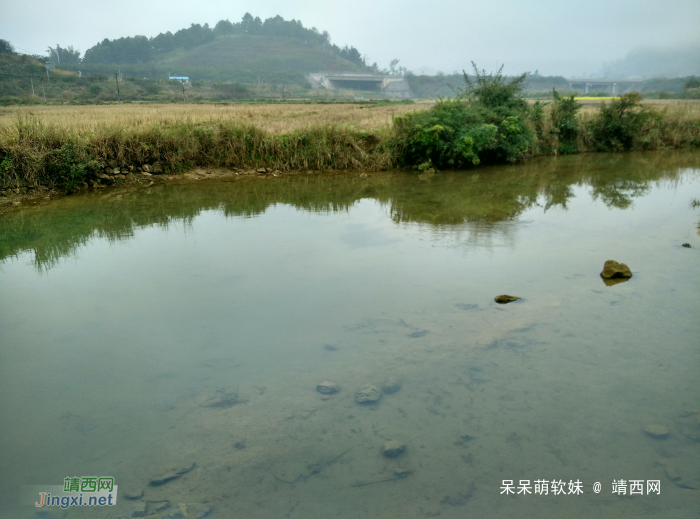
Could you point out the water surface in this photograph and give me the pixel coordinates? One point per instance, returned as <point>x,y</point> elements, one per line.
<point>151,328</point>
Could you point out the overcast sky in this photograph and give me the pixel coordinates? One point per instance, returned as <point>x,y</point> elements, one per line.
<point>556,37</point>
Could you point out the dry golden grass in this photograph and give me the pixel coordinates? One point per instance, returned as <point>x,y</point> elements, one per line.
<point>689,108</point>
<point>275,118</point>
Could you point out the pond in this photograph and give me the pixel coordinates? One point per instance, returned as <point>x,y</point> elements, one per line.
<point>173,338</point>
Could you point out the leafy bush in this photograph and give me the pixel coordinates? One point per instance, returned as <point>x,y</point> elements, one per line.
<point>95,89</point>
<point>618,124</point>
<point>486,122</point>
<point>565,124</point>
<point>69,165</point>
<point>691,82</point>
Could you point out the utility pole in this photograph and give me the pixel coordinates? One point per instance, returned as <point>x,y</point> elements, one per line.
<point>42,88</point>
<point>283,99</point>
<point>119,99</point>
<point>183,90</point>
<point>32,80</point>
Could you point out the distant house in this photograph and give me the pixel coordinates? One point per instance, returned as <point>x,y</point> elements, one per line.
<point>179,78</point>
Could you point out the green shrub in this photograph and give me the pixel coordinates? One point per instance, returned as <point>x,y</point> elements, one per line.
<point>619,124</point>
<point>68,166</point>
<point>691,82</point>
<point>565,124</point>
<point>486,122</point>
<point>95,89</point>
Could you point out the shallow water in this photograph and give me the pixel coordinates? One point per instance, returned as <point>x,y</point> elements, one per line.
<point>149,329</point>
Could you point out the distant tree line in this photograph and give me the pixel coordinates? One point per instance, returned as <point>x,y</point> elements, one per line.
<point>141,49</point>
<point>64,55</point>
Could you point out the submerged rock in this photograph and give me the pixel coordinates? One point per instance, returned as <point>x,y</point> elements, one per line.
<point>392,385</point>
<point>131,493</point>
<point>138,510</point>
<point>153,507</point>
<point>689,425</point>
<point>393,448</point>
<point>190,511</point>
<point>367,394</point>
<point>327,388</point>
<point>671,474</point>
<point>505,299</point>
<point>656,430</point>
<point>198,510</point>
<point>612,269</point>
<point>170,475</point>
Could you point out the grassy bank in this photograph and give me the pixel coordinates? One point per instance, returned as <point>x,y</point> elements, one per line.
<point>66,147</point>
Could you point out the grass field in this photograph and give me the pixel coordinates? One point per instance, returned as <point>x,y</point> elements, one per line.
<point>63,145</point>
<point>275,118</point>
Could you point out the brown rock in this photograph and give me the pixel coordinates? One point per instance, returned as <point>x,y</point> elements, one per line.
<point>613,269</point>
<point>505,299</point>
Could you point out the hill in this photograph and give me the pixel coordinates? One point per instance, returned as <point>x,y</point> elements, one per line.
<point>250,51</point>
<point>244,58</point>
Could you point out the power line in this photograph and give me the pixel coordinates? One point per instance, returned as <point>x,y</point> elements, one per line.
<point>25,50</point>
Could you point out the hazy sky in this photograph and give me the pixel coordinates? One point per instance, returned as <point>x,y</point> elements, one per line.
<point>555,36</point>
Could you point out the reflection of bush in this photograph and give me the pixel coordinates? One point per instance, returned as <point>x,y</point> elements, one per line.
<point>463,200</point>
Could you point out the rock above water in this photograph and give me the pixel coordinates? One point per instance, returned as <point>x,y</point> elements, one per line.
<point>327,388</point>
<point>656,430</point>
<point>505,299</point>
<point>613,269</point>
<point>393,448</point>
<point>367,394</point>
<point>392,385</point>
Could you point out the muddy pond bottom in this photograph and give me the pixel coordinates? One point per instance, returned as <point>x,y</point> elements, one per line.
<point>330,347</point>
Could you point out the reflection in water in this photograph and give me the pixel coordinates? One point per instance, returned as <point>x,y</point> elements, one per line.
<point>479,198</point>
<point>182,348</point>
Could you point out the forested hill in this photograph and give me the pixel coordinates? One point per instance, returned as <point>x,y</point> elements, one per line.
<point>250,50</point>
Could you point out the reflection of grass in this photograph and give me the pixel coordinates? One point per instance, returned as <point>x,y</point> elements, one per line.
<point>58,229</point>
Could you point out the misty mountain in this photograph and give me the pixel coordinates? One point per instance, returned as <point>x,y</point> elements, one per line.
<point>651,63</point>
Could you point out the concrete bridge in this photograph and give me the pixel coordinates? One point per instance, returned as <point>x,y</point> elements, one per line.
<point>611,86</point>
<point>389,86</point>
